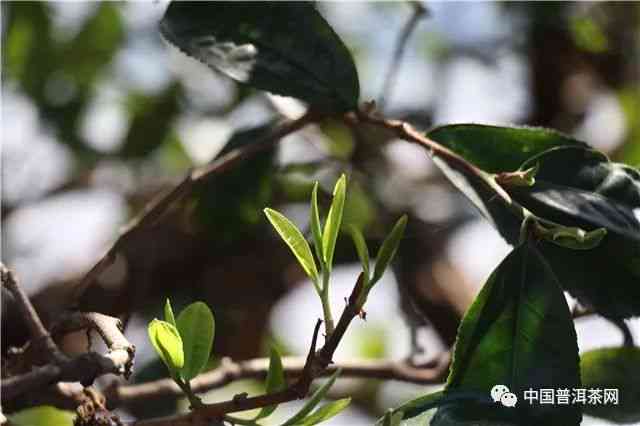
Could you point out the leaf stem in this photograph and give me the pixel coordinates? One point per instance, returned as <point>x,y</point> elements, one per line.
<point>185,385</point>
<point>326,305</point>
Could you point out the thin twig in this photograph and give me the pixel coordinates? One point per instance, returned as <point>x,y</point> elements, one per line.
<point>83,368</point>
<point>230,371</point>
<point>110,330</point>
<point>39,334</point>
<point>315,366</point>
<point>419,11</point>
<point>155,210</point>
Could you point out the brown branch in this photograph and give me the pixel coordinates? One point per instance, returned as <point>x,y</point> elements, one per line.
<point>230,371</point>
<point>39,334</point>
<point>419,11</point>
<point>110,330</point>
<point>156,209</point>
<point>83,368</point>
<point>315,366</point>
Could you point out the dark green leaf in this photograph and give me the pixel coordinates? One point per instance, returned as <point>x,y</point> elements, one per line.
<point>325,412</point>
<point>316,227</point>
<point>168,345</point>
<point>496,149</point>
<point>313,401</point>
<point>579,187</point>
<point>168,313</point>
<point>334,221</point>
<point>488,197</point>
<point>519,333</point>
<point>613,368</point>
<point>284,47</point>
<point>295,240</point>
<point>275,381</point>
<point>197,329</point>
<point>388,249</point>
<point>243,191</point>
<point>146,131</point>
<point>493,149</point>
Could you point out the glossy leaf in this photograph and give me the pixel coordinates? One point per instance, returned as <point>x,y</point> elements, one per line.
<point>613,368</point>
<point>334,221</point>
<point>486,195</point>
<point>389,248</point>
<point>284,47</point>
<point>41,416</point>
<point>316,227</point>
<point>497,149</point>
<point>274,382</point>
<point>197,329</point>
<point>361,249</point>
<point>168,345</point>
<point>313,401</point>
<point>295,240</point>
<point>579,187</point>
<point>326,412</point>
<point>575,185</point>
<point>519,333</point>
<point>168,313</point>
<point>493,149</point>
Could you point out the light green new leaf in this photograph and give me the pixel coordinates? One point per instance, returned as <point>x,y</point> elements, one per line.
<point>388,249</point>
<point>325,412</point>
<point>295,240</point>
<point>168,345</point>
<point>168,313</point>
<point>41,416</point>
<point>313,401</point>
<point>316,227</point>
<point>334,220</point>
<point>197,328</point>
<point>275,381</point>
<point>361,249</point>
<point>574,238</point>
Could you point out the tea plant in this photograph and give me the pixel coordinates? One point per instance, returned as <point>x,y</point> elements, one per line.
<point>571,214</point>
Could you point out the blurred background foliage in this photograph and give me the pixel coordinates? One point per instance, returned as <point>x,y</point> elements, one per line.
<point>99,115</point>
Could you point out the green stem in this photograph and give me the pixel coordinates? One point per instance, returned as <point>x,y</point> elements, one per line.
<point>326,305</point>
<point>185,385</point>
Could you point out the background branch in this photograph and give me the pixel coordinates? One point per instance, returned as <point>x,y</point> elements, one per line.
<point>230,371</point>
<point>156,209</point>
<point>419,11</point>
